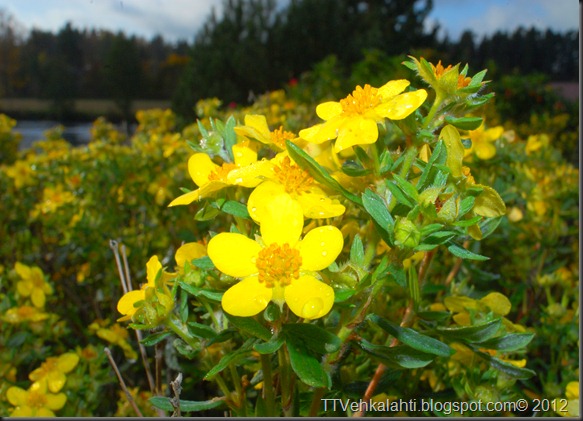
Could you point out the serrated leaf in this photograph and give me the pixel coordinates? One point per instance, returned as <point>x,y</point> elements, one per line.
<point>314,338</point>
<point>306,366</point>
<point>413,338</point>
<point>471,334</point>
<point>397,356</point>
<point>319,173</point>
<point>465,254</point>
<point>164,403</point>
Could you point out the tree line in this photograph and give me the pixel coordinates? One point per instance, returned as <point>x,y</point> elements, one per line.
<point>252,47</point>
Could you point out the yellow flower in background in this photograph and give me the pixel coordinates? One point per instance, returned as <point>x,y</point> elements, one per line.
<point>53,371</point>
<point>32,284</point>
<point>127,304</point>
<point>24,314</point>
<point>188,252</point>
<point>353,120</point>
<point>34,402</point>
<point>572,407</point>
<point>482,142</point>
<point>114,334</point>
<point>53,198</point>
<point>279,267</point>
<point>256,128</point>
<point>289,178</point>
<point>536,142</point>
<point>21,172</point>
<point>246,171</point>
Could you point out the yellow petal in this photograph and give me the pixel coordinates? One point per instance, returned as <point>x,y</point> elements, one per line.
<point>255,127</point>
<point>44,413</point>
<point>309,298</point>
<point>16,396</point>
<point>401,106</point>
<point>243,154</point>
<point>67,362</point>
<point>55,381</point>
<point>24,288</point>
<point>320,247</point>
<point>328,110</point>
<point>356,130</point>
<point>282,221</point>
<point>262,194</point>
<point>393,88</point>
<point>185,199</point>
<point>22,411</point>
<point>250,175</point>
<point>199,167</point>
<point>22,270</point>
<point>497,302</point>
<point>56,402</point>
<point>316,205</point>
<point>189,251</point>
<point>233,254</point>
<point>38,298</point>
<point>152,268</point>
<point>322,132</point>
<point>484,150</point>
<point>126,303</point>
<point>572,390</point>
<point>246,298</point>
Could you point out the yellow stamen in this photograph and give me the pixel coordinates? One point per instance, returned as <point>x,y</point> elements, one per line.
<point>220,174</point>
<point>361,100</point>
<point>36,399</point>
<point>278,265</point>
<point>293,178</point>
<point>279,136</point>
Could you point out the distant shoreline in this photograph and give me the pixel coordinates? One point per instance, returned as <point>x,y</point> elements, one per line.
<point>80,109</point>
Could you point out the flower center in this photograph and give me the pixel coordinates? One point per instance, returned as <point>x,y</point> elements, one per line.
<point>361,100</point>
<point>293,178</point>
<point>220,174</point>
<point>279,136</point>
<point>36,399</point>
<point>278,265</point>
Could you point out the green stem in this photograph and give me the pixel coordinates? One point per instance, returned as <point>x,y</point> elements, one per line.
<point>268,396</point>
<point>434,108</point>
<point>285,382</point>
<point>242,401</point>
<point>181,331</point>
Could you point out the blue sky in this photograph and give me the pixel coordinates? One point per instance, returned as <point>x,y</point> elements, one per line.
<point>181,19</point>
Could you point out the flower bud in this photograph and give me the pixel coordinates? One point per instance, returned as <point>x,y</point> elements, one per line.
<point>406,233</point>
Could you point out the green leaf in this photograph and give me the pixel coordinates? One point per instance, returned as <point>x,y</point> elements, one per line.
<point>464,123</point>
<point>306,366</point>
<point>319,173</point>
<point>235,208</point>
<point>413,338</point>
<point>377,208</point>
<point>435,157</point>
<point>465,254</point>
<point>154,338</point>
<point>488,226</point>
<point>163,403</point>
<point>357,251</point>
<point>231,358</point>
<point>471,334</point>
<point>407,188</point>
<point>313,337</point>
<point>206,213</point>
<point>202,331</point>
<point>466,205</point>
<point>455,149</point>
<point>251,326</point>
<point>204,262</point>
<point>201,292</point>
<point>507,368</point>
<point>508,343</point>
<point>398,194</point>
<point>270,346</point>
<point>397,356</point>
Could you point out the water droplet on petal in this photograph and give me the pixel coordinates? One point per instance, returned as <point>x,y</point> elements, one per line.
<point>322,244</point>
<point>253,209</point>
<point>312,308</point>
<point>238,180</point>
<point>324,253</point>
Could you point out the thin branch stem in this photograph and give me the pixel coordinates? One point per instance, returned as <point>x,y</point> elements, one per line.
<point>122,383</point>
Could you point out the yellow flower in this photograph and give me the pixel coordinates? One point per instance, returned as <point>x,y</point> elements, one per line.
<point>116,335</point>
<point>129,303</point>
<point>572,407</point>
<point>288,178</point>
<point>256,128</point>
<point>482,142</point>
<point>24,314</point>
<point>536,142</point>
<point>353,120</point>
<point>188,252</point>
<point>21,172</point>
<point>35,402</point>
<point>210,177</point>
<point>53,198</point>
<point>279,267</point>
<point>33,284</point>
<point>53,371</point>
